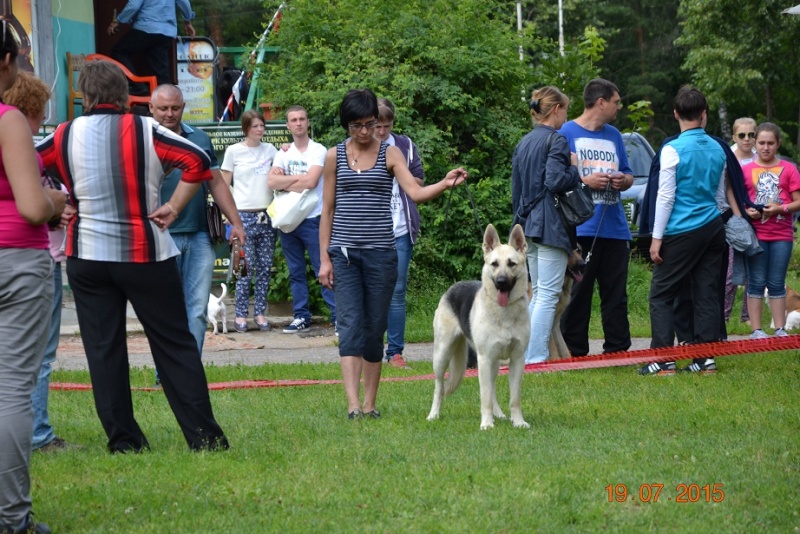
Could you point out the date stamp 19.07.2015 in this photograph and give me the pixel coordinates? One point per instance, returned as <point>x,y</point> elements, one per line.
<point>684,493</point>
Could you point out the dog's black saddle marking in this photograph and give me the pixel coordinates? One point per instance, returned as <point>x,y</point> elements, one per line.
<point>461,297</point>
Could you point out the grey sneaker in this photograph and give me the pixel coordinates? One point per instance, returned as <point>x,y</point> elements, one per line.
<point>298,325</point>
<point>781,332</point>
<point>758,334</point>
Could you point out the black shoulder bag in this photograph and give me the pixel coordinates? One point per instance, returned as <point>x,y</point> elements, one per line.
<point>575,206</point>
<point>216,227</point>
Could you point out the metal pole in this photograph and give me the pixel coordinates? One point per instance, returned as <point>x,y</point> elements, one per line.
<point>560,27</point>
<point>519,29</point>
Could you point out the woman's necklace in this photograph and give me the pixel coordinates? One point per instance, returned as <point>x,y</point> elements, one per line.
<point>255,153</point>
<point>355,159</point>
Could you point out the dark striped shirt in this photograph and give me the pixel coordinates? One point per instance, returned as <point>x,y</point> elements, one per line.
<point>113,165</point>
<point>363,217</point>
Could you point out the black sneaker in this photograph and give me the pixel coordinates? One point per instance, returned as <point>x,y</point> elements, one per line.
<point>298,325</point>
<point>663,368</point>
<point>702,366</point>
<point>27,526</point>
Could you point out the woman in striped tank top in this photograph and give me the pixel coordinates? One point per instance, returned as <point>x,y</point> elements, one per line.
<point>356,239</point>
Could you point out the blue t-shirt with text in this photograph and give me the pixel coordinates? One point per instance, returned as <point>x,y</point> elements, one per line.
<point>601,151</point>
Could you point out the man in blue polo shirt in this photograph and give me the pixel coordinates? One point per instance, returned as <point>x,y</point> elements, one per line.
<point>688,232</point>
<point>190,229</point>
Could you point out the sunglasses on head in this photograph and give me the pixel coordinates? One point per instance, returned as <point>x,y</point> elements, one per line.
<point>742,135</point>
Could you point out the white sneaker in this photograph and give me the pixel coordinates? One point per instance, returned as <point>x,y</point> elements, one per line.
<point>758,334</point>
<point>780,332</point>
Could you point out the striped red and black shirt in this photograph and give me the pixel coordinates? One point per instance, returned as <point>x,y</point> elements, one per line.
<point>113,165</point>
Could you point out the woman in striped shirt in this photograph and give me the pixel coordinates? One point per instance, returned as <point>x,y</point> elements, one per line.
<point>357,241</point>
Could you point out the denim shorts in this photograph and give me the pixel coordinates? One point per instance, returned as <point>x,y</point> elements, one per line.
<point>768,269</point>
<point>363,283</point>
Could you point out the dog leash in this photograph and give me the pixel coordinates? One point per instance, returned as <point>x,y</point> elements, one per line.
<point>464,186</point>
<point>238,266</point>
<point>597,232</point>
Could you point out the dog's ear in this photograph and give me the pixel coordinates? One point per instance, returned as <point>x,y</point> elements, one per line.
<point>490,239</point>
<point>517,239</point>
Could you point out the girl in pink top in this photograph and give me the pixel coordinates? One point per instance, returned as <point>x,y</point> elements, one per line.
<point>775,184</point>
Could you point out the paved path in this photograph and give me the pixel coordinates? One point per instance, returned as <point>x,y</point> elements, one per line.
<point>317,345</point>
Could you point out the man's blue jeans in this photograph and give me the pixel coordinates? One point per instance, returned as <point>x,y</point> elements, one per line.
<point>196,265</point>
<point>395,332</point>
<point>42,430</point>
<point>294,245</point>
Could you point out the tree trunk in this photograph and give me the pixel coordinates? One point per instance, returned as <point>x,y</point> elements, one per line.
<point>215,32</point>
<point>724,123</point>
<point>769,102</point>
<point>797,141</point>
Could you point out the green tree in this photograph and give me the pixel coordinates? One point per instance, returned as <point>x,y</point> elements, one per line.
<point>452,69</point>
<point>230,23</point>
<point>744,56</point>
<point>637,53</point>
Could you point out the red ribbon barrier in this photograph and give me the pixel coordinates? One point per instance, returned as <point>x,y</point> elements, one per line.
<point>613,359</point>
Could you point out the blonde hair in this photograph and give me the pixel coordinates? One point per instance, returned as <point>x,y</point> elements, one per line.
<point>741,121</point>
<point>544,101</point>
<point>29,94</point>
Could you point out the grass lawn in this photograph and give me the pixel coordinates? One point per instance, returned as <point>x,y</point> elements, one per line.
<point>298,465</point>
<point>729,442</point>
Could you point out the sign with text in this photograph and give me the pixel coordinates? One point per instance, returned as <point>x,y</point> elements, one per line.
<point>196,57</point>
<point>227,134</point>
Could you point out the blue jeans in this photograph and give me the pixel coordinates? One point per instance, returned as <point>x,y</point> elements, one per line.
<point>363,284</point>
<point>547,266</point>
<point>42,430</point>
<point>397,308</point>
<point>768,269</point>
<point>295,244</point>
<point>196,265</point>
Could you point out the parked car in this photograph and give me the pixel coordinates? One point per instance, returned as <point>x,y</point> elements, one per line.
<point>640,156</point>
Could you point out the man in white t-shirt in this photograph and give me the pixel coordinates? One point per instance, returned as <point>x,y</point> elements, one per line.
<point>297,169</point>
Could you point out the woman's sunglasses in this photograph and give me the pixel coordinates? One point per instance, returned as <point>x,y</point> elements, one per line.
<point>742,135</point>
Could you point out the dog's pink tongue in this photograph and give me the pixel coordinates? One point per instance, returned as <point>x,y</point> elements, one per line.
<point>502,298</point>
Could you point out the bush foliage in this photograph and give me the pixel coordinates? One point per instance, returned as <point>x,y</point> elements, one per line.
<point>452,69</point>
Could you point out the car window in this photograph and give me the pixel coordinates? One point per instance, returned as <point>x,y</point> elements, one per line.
<point>640,155</point>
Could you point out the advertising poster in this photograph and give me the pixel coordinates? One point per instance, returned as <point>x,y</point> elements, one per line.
<point>18,15</point>
<point>196,57</point>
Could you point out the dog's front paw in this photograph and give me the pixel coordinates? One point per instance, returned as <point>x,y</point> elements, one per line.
<point>520,423</point>
<point>487,425</point>
<point>433,416</point>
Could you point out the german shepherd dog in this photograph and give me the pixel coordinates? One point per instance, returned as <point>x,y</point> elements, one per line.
<point>575,266</point>
<point>491,317</point>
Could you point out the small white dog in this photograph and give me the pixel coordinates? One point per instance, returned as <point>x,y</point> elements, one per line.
<point>217,310</point>
<point>793,320</point>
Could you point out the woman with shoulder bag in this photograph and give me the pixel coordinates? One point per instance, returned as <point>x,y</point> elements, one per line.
<point>542,167</point>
